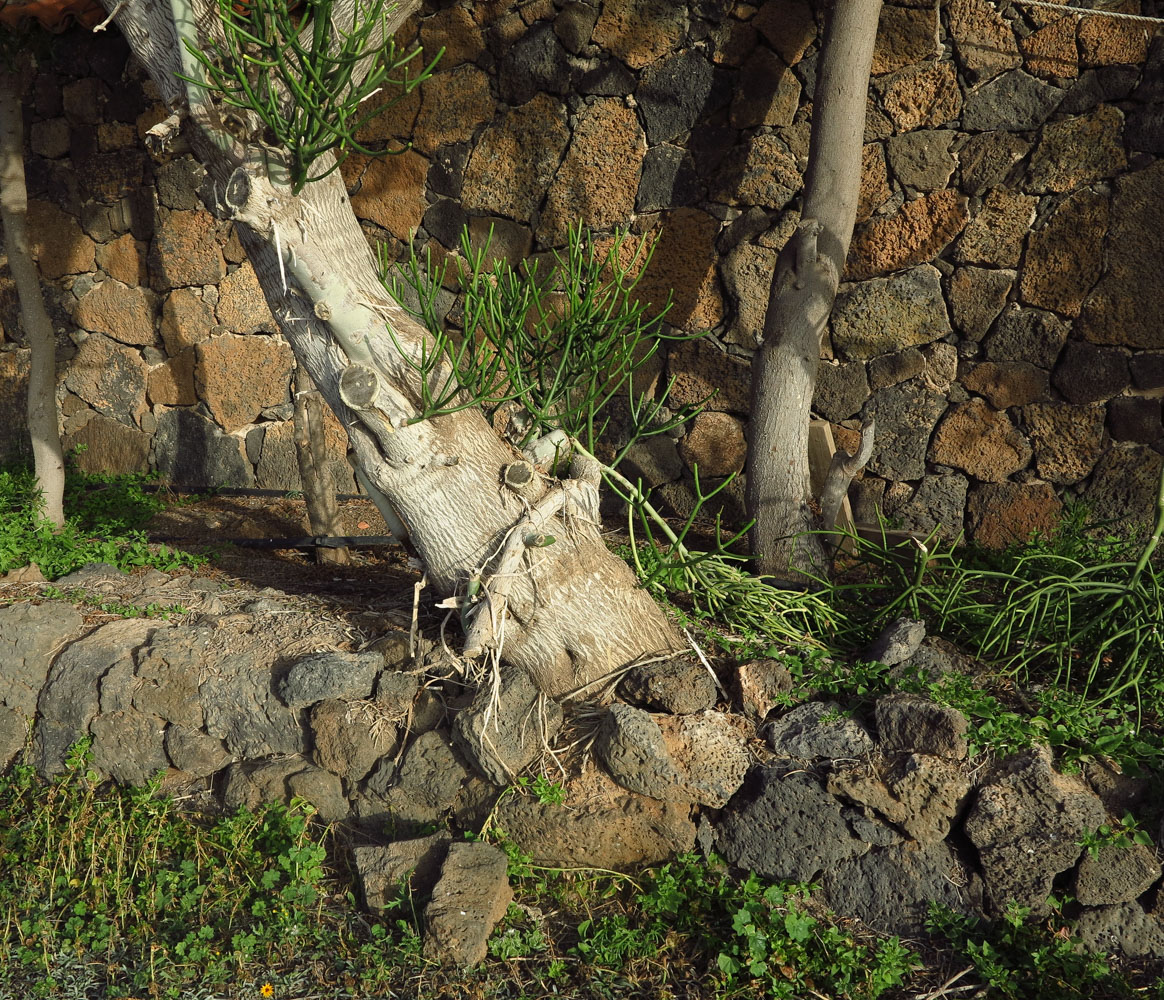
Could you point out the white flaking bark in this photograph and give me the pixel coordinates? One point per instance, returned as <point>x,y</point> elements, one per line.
<point>574,611</point>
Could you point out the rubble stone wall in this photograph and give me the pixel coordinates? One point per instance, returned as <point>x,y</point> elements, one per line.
<point>1001,310</point>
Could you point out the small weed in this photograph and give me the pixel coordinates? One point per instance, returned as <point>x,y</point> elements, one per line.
<point>1123,833</point>
<point>747,933</point>
<point>518,936</point>
<point>120,608</point>
<point>1021,959</point>
<point>545,791</point>
<point>104,516</point>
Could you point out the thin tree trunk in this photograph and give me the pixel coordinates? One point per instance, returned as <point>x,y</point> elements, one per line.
<point>571,612</point>
<point>311,452</point>
<point>804,287</point>
<point>43,428</point>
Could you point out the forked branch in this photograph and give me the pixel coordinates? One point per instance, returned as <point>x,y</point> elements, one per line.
<point>842,469</point>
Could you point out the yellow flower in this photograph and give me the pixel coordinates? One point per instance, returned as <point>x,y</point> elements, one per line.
<point>267,990</point>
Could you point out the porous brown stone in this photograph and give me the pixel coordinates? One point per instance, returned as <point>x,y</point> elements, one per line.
<point>980,440</point>
<point>391,192</point>
<point>922,159</point>
<point>454,30</point>
<point>788,26</point>
<point>760,173</point>
<point>1088,373</point>
<point>1125,308</point>
<point>242,308</point>
<point>600,824</point>
<point>1065,258</point>
<point>768,92</point>
<point>124,312</point>
<point>976,297</point>
<point>453,105</point>
<point>515,158</point>
<point>394,123</point>
<point>1002,514</point>
<point>1050,51</point>
<point>13,401</point>
<point>185,251</point>
<point>983,39</point>
<point>57,242</point>
<point>1078,151</point>
<point>905,35</point>
<point>995,235</point>
<point>684,267</point>
<point>1068,440</point>
<point>186,319</point>
<point>1008,383</point>
<point>172,382</point>
<point>110,377</point>
<point>699,370</point>
<point>917,232</point>
<point>123,259</point>
<point>238,376</point>
<point>109,446</point>
<point>881,315</point>
<point>715,443</point>
<point>986,159</point>
<point>747,273</point>
<point>925,95</point>
<point>1106,41</point>
<point>599,177</point>
<point>733,42</point>
<point>640,31</point>
<point>874,181</point>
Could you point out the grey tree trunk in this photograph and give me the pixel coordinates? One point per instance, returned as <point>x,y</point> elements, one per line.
<point>43,428</point>
<point>804,287</point>
<point>311,453</point>
<point>568,613</point>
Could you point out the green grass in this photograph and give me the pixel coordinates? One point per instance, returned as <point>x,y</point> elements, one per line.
<point>120,886</point>
<point>156,901</point>
<point>104,517</point>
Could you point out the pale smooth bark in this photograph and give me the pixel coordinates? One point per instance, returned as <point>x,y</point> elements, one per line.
<point>569,612</point>
<point>804,287</point>
<point>43,427</point>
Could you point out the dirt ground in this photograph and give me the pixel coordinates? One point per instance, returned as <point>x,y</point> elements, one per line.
<point>376,579</point>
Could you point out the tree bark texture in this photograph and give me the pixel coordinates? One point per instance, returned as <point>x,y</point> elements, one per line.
<point>43,427</point>
<point>311,454</point>
<point>804,287</point>
<point>571,611</point>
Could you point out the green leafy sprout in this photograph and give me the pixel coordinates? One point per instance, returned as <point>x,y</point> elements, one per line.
<point>302,72</point>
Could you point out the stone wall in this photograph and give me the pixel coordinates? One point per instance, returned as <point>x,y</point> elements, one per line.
<point>1000,311</point>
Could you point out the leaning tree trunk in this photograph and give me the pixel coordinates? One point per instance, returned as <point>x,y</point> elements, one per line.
<point>47,456</point>
<point>804,287</point>
<point>567,612</point>
<point>311,453</point>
